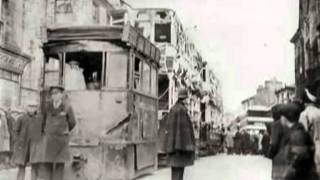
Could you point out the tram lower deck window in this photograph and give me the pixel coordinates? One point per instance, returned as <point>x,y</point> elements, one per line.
<point>83,70</point>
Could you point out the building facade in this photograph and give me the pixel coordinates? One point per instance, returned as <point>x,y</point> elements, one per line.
<point>265,95</point>
<point>285,95</point>
<point>181,65</point>
<point>306,41</point>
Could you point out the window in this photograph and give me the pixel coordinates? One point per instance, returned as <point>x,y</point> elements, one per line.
<point>9,75</point>
<point>117,71</point>
<point>63,6</point>
<point>154,81</point>
<point>96,13</point>
<point>52,72</point>
<point>137,74</point>
<point>163,32</point>
<point>63,11</point>
<point>146,78</point>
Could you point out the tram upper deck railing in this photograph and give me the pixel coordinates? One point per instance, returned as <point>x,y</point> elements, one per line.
<point>127,34</point>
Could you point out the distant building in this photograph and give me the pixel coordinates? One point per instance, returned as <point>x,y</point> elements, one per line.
<point>285,94</point>
<point>265,95</point>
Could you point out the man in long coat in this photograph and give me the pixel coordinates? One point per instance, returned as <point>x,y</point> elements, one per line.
<point>27,133</point>
<point>180,143</point>
<point>310,119</point>
<point>58,122</point>
<point>300,147</point>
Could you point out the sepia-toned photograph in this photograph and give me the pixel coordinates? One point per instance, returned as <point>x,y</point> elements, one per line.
<point>159,90</point>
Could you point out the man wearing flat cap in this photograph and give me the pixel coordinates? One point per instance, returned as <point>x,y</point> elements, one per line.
<point>180,141</point>
<point>27,133</point>
<point>58,122</point>
<point>300,145</point>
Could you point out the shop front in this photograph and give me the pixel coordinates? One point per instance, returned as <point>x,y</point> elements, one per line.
<point>12,65</point>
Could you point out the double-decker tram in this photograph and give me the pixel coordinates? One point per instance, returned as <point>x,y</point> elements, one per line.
<point>110,74</point>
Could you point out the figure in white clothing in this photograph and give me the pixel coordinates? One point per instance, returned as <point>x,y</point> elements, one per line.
<point>74,78</point>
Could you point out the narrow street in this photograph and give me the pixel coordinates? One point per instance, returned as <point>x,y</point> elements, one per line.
<point>222,167</point>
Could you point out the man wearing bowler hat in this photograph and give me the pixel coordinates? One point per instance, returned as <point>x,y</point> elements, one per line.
<point>58,122</point>
<point>180,142</point>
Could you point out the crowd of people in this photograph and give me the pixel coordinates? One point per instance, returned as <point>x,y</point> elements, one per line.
<point>243,142</point>
<point>294,144</point>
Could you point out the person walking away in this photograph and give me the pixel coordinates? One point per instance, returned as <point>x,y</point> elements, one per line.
<point>180,145</point>
<point>301,146</point>
<point>310,119</point>
<point>237,141</point>
<point>58,121</point>
<point>26,129</point>
<point>278,144</point>
<point>229,141</point>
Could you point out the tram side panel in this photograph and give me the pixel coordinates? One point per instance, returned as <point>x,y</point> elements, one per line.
<point>115,135</point>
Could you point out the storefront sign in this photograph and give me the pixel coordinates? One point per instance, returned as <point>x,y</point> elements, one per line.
<point>12,62</point>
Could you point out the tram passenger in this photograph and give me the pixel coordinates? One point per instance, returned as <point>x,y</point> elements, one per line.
<point>180,143</point>
<point>58,122</point>
<point>27,134</point>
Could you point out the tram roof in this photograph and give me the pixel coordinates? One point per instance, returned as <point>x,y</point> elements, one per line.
<point>125,36</point>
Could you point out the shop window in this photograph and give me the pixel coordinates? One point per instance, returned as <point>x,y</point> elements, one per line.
<point>137,74</point>
<point>146,78</point>
<point>163,32</point>
<point>117,71</point>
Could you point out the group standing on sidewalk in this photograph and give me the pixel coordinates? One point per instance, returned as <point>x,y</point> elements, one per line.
<point>41,138</point>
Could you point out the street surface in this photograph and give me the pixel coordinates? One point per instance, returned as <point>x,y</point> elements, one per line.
<point>222,167</point>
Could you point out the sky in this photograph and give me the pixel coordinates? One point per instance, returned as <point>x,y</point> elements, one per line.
<point>245,41</point>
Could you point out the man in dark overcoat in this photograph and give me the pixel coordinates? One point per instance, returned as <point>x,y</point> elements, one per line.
<point>237,141</point>
<point>58,121</point>
<point>301,146</point>
<point>180,143</point>
<point>27,133</point>
<point>278,145</point>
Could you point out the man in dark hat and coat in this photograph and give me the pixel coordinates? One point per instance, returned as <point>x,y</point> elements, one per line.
<point>301,147</point>
<point>278,144</point>
<point>58,121</point>
<point>180,143</point>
